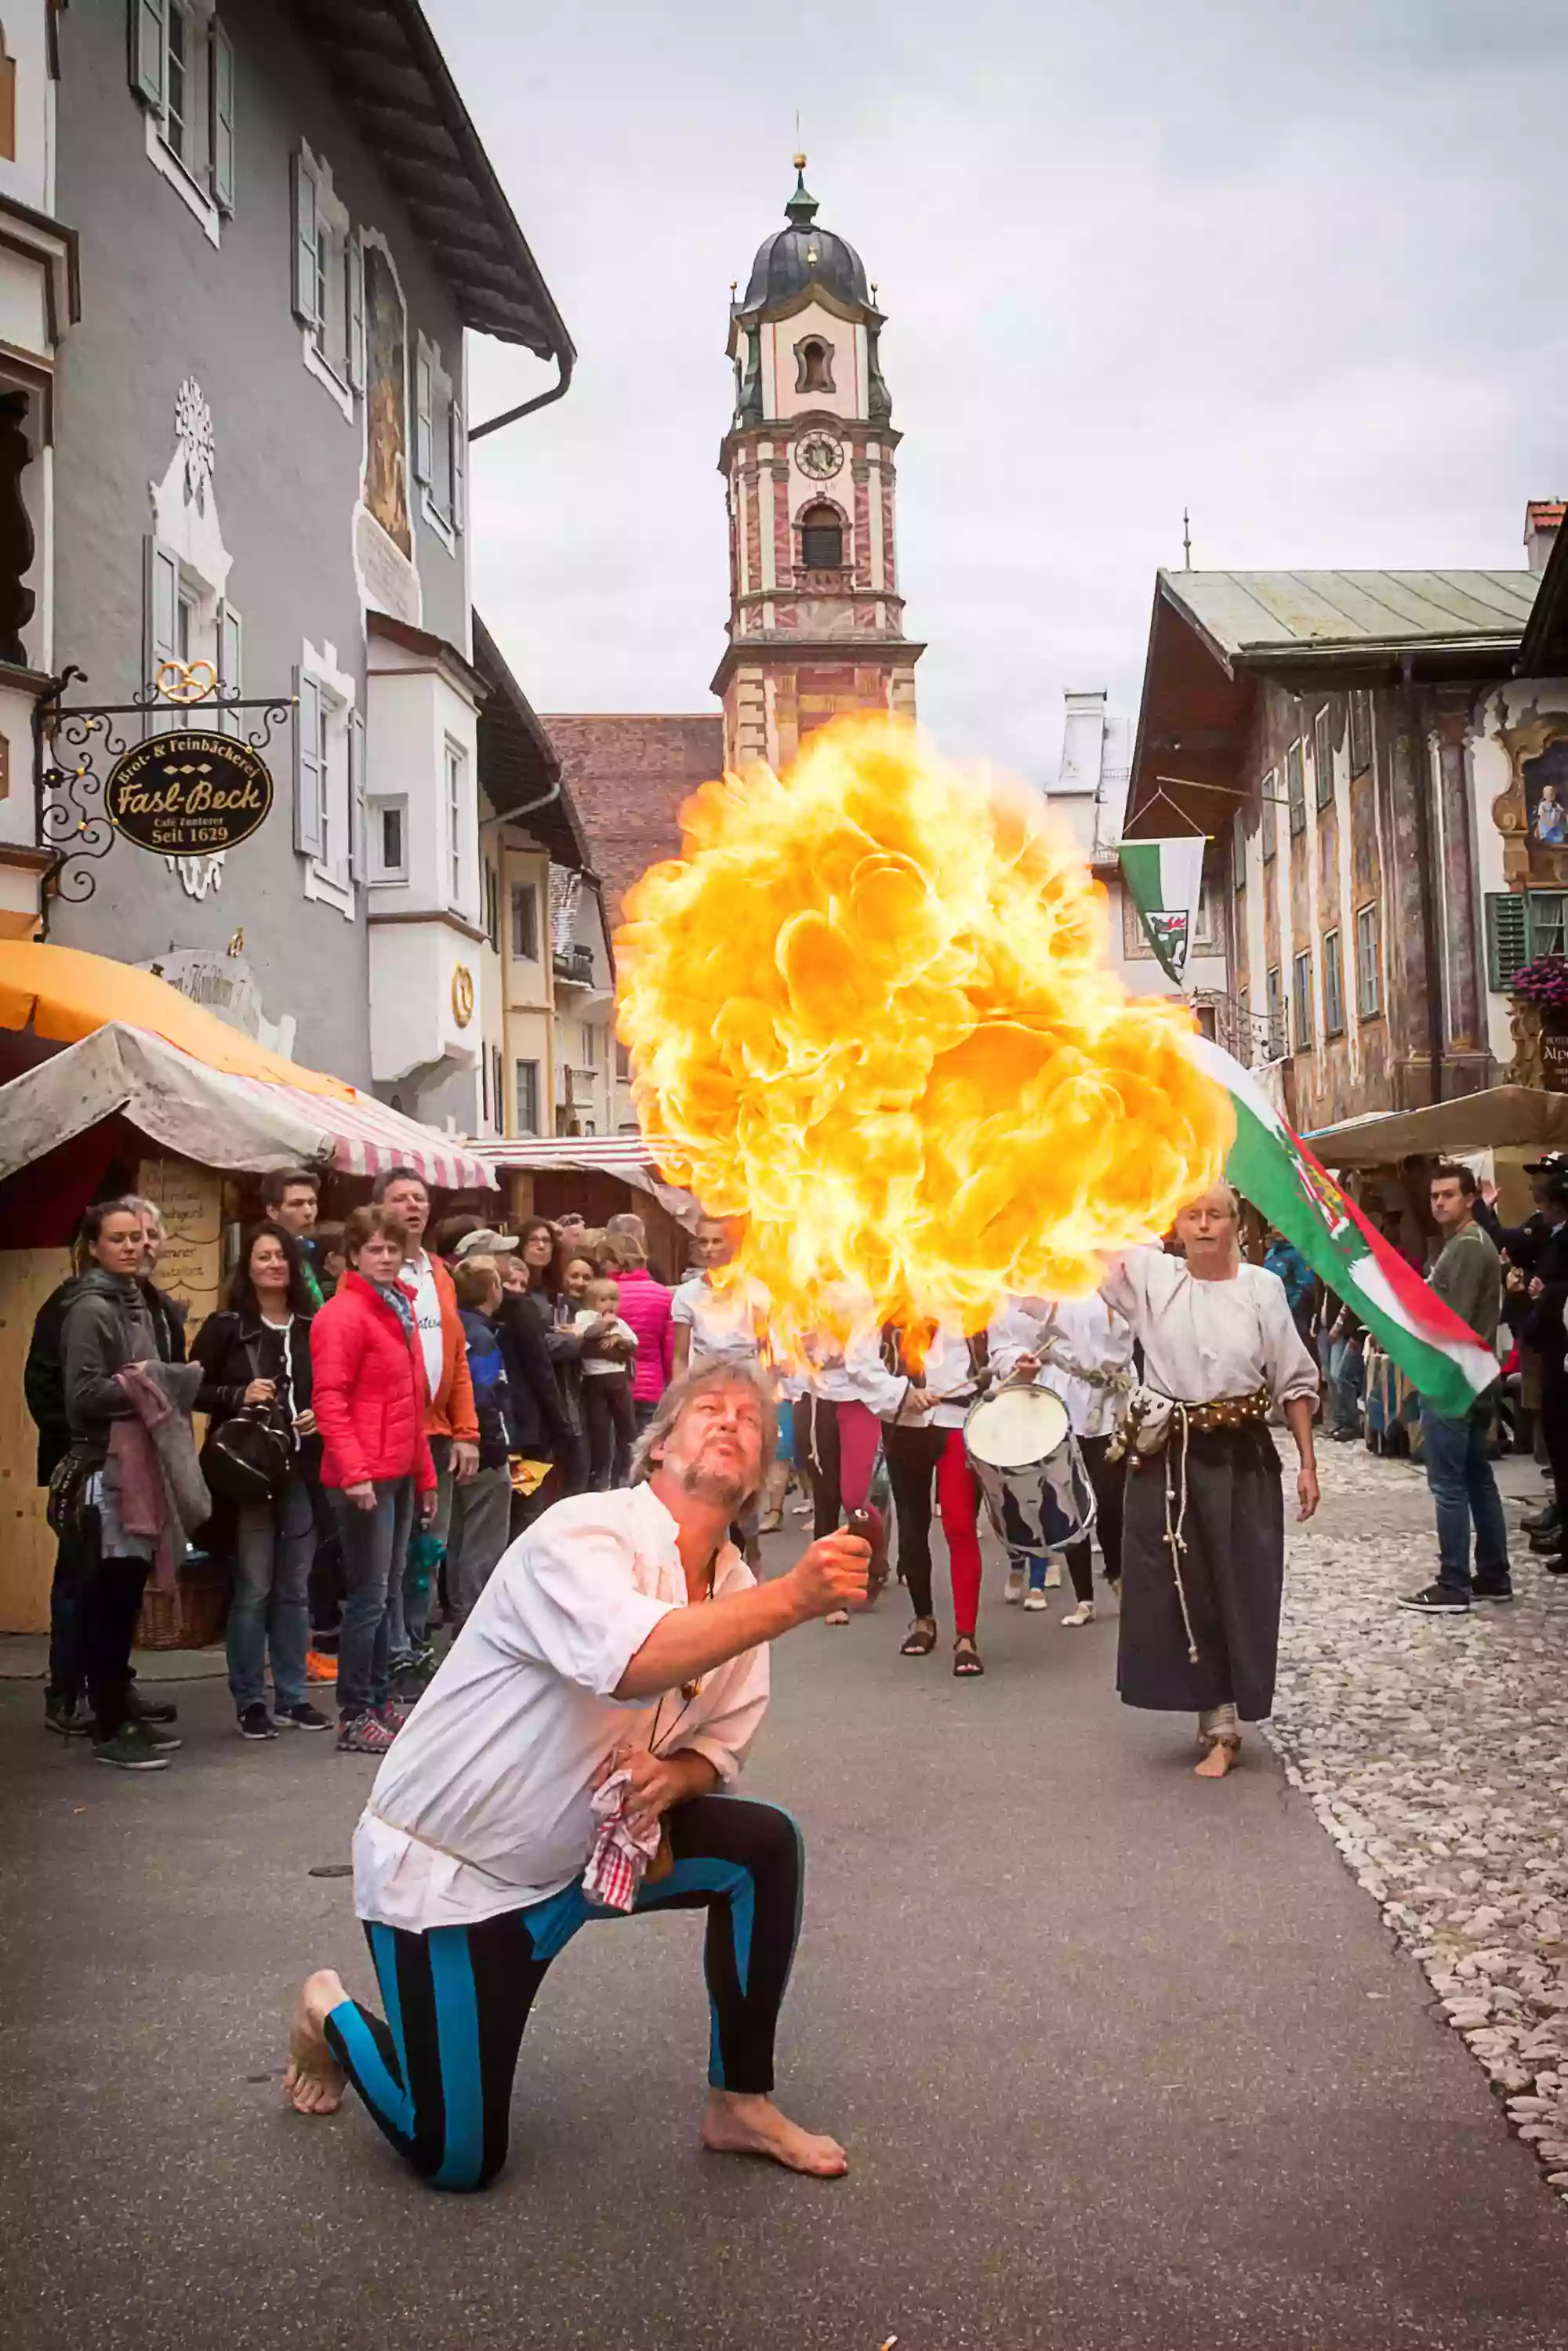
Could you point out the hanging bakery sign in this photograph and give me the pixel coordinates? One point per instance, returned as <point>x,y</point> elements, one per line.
<point>188,794</point>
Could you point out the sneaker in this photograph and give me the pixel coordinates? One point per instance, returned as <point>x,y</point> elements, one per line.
<point>395,1712</point>
<point>1547,1519</point>
<point>1504,1590</point>
<point>303,1716</point>
<point>1014,1590</point>
<point>68,1716</point>
<point>320,1668</point>
<point>1438,1600</point>
<point>150,1709</point>
<point>255,1722</point>
<point>363,1734</point>
<point>1083,1614</point>
<point>156,1736</point>
<point>1053,1576</point>
<point>1035,1602</point>
<point>130,1749</point>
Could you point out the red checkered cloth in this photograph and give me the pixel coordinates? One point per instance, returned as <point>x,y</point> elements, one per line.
<point>621,1854</point>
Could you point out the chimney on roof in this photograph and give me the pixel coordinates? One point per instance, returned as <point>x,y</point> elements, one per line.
<point>1542,521</point>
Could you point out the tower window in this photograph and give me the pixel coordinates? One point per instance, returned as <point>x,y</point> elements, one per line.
<point>815,370</point>
<point>822,539</point>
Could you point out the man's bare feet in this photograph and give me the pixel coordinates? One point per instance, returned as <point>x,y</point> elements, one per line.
<point>737,2125</point>
<point>1222,1757</point>
<point>315,2081</point>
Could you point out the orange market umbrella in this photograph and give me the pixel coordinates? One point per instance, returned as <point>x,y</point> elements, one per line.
<point>65,995</point>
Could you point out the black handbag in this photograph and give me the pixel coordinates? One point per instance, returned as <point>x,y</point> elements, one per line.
<point>246,1458</point>
<point>69,1512</point>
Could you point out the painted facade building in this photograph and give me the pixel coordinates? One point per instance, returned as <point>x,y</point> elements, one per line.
<point>288,228</point>
<point>816,618</point>
<point>1373,750</point>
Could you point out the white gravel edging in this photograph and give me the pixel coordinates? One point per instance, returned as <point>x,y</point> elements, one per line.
<point>1435,1752</point>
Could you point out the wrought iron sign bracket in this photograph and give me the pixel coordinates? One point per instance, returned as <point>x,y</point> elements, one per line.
<point>75,746</point>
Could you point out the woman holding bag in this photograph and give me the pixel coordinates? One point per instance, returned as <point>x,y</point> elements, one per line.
<point>255,1364</point>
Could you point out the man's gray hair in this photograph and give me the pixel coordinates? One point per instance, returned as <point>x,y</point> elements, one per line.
<point>143,1207</point>
<point>626,1225</point>
<point>684,1391</point>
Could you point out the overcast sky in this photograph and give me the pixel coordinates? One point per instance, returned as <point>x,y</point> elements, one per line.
<point>1297,266</point>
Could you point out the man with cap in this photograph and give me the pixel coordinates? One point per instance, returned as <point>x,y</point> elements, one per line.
<point>1537,1255</point>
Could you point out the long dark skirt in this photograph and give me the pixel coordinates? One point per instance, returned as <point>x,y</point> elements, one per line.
<point>1233,1573</point>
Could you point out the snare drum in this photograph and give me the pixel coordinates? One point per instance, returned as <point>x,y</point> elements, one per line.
<point>1026,1458</point>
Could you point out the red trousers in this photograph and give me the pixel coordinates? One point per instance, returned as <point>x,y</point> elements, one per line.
<point>911,1455</point>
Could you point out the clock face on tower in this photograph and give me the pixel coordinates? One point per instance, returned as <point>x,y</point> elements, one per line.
<point>821,456</point>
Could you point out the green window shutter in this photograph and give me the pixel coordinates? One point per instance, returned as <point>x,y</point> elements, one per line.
<point>223,120</point>
<point>148,33</point>
<point>1508,937</point>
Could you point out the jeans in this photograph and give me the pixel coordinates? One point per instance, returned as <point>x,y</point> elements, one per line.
<point>611,1426</point>
<point>274,1544</point>
<point>1459,1472</point>
<point>410,1597</point>
<point>478,1533</point>
<point>1347,1379</point>
<point>74,1564</point>
<point>375,1544</point>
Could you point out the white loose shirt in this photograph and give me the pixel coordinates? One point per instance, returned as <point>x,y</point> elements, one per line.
<point>725,1327</point>
<point>948,1371</point>
<point>483,1806</point>
<point>1205,1340</point>
<point>1085,1331</point>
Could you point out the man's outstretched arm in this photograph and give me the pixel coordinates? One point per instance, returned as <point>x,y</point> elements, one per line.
<point>691,1641</point>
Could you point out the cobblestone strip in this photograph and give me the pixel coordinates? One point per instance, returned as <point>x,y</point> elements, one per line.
<point>1435,1752</point>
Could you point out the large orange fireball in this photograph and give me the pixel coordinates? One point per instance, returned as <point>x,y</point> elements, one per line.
<point>870,1012</point>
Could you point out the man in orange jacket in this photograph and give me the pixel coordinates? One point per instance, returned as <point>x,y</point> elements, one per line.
<point>450,1421</point>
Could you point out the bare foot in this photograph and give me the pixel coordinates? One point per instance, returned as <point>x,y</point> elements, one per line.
<point>839,1616</point>
<point>1222,1757</point>
<point>734,2125</point>
<point>315,2081</point>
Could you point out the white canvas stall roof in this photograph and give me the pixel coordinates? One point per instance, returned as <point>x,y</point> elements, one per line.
<point>626,1156</point>
<point>215,1116</point>
<point>1500,1118</point>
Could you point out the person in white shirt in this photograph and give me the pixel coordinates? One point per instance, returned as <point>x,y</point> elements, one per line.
<point>607,1421</point>
<point>847,1391</point>
<point>711,1326</point>
<point>1081,1349</point>
<point>925,1439</point>
<point>1203,1535</point>
<point>622,1631</point>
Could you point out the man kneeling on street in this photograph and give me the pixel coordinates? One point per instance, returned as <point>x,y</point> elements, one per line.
<point>564,1765</point>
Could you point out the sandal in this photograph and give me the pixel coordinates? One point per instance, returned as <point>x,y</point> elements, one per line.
<point>920,1639</point>
<point>839,1616</point>
<point>966,1659</point>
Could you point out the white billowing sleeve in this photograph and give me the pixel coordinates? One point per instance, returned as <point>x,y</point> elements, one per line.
<point>570,1600</point>
<point>1127,1284</point>
<point>874,1384</point>
<point>1014,1331</point>
<point>724,1737</point>
<point>1292,1371</point>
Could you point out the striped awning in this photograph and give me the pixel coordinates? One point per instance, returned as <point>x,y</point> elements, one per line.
<point>613,1155</point>
<point>369,1139</point>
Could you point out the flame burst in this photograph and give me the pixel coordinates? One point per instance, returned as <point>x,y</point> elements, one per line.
<point>869,1013</point>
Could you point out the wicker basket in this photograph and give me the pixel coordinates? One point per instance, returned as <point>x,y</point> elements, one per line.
<point>204,1607</point>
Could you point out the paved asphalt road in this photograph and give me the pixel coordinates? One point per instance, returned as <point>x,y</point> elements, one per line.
<point>1125,2062</point>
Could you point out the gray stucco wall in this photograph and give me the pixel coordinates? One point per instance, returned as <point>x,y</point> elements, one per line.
<point>160,304</point>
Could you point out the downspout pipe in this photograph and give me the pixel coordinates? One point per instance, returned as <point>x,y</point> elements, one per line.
<point>565,360</point>
<point>1421,789</point>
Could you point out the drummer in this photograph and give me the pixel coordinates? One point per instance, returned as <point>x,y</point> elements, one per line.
<point>1203,1544</point>
<point>1082,1349</point>
<point>925,1438</point>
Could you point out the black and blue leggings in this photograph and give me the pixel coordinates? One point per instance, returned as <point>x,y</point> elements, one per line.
<point>437,2075</point>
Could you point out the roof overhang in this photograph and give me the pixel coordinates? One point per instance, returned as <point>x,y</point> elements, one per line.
<point>1543,648</point>
<point>386,68</point>
<point>520,771</point>
<point>812,295</point>
<point>434,651</point>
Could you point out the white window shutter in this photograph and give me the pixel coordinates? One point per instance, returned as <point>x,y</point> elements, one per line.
<point>307,766</point>
<point>422,433</point>
<point>459,431</point>
<point>307,237</point>
<point>149,48</point>
<point>355,273</point>
<point>231,663</point>
<point>222,135</point>
<point>159,625</point>
<point>359,846</point>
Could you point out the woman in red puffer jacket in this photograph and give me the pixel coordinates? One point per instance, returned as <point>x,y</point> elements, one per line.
<point>367,1394</point>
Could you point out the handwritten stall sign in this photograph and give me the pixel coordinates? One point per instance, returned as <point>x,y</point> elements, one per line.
<point>190,1267</point>
<point>188,794</point>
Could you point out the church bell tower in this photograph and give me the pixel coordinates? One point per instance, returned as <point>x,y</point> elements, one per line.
<point>816,621</point>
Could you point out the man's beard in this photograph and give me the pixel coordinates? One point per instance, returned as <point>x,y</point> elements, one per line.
<point>728,1489</point>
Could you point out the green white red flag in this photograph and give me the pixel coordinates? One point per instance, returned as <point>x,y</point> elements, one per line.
<point>1165,880</point>
<point>1271,1168</point>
